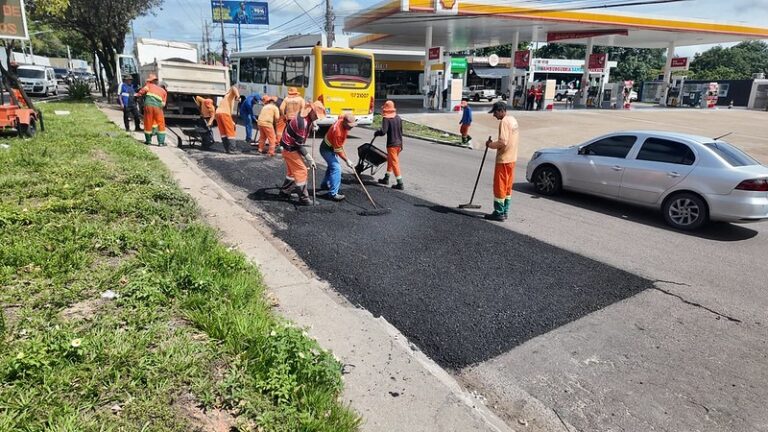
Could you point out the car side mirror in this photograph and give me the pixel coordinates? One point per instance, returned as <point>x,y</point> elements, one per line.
<point>582,150</point>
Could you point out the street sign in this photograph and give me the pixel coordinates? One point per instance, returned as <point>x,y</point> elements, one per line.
<point>679,63</point>
<point>240,12</point>
<point>13,22</point>
<point>523,59</point>
<point>458,64</point>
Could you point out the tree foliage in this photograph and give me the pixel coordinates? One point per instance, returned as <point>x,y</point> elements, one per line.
<point>737,62</point>
<point>102,24</point>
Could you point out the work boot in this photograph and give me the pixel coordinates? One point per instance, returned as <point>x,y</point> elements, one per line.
<point>338,197</point>
<point>384,180</point>
<point>498,217</point>
<point>305,201</point>
<point>398,186</point>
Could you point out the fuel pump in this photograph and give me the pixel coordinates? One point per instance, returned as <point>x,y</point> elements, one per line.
<point>594,92</point>
<point>712,90</point>
<point>674,95</point>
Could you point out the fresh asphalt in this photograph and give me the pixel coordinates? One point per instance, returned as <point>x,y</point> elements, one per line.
<point>462,289</point>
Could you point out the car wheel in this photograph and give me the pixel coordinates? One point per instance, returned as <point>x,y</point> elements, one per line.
<point>476,98</point>
<point>558,97</point>
<point>685,211</point>
<point>547,180</point>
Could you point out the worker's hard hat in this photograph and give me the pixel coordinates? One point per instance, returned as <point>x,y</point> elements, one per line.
<point>317,107</point>
<point>152,78</point>
<point>128,77</point>
<point>388,110</point>
<point>349,120</point>
<point>293,91</point>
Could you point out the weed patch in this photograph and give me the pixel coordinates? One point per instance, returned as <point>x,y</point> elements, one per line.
<point>188,343</point>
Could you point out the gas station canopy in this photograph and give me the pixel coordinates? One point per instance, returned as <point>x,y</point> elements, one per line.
<point>459,25</point>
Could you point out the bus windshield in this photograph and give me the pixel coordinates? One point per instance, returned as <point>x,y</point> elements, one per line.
<point>347,67</point>
<point>128,66</point>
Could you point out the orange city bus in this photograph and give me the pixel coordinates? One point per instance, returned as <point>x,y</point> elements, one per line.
<point>341,78</point>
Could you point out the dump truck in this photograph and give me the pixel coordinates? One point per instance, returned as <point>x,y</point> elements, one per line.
<point>176,65</point>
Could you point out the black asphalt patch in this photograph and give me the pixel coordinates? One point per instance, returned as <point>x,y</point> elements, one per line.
<point>461,288</point>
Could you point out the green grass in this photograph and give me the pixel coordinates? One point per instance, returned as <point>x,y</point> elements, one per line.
<point>83,212</point>
<point>416,130</point>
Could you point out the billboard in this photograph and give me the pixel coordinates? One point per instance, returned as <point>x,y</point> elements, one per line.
<point>13,22</point>
<point>240,12</point>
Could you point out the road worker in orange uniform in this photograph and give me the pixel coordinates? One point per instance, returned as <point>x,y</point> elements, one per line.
<point>294,144</point>
<point>224,120</point>
<point>506,156</point>
<point>155,98</point>
<point>331,150</point>
<point>289,108</point>
<point>392,127</point>
<point>207,109</point>
<point>267,123</point>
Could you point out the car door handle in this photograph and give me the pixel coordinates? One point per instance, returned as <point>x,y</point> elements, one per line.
<point>617,168</point>
<point>673,174</point>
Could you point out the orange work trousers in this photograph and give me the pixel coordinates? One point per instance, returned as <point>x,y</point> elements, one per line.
<point>153,117</point>
<point>226,125</point>
<point>267,133</point>
<point>393,160</point>
<point>295,169</point>
<point>282,122</point>
<point>503,178</point>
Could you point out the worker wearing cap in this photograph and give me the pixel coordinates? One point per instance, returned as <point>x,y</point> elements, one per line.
<point>506,156</point>
<point>155,98</point>
<point>392,127</point>
<point>207,109</point>
<point>332,149</point>
<point>294,147</point>
<point>289,109</point>
<point>246,114</point>
<point>268,124</point>
<point>127,101</point>
<point>224,120</point>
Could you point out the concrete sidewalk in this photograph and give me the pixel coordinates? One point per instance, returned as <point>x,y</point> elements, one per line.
<point>388,381</point>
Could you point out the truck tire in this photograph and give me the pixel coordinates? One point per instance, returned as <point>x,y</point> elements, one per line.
<point>476,98</point>
<point>27,130</point>
<point>558,97</point>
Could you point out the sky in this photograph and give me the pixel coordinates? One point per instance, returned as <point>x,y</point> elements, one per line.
<point>182,20</point>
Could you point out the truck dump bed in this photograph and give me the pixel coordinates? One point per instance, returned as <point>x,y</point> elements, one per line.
<point>190,78</point>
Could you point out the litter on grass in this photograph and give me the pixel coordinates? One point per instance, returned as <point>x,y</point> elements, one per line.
<point>61,113</point>
<point>109,295</point>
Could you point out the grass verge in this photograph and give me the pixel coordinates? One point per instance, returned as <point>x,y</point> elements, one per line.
<point>190,343</point>
<point>415,130</point>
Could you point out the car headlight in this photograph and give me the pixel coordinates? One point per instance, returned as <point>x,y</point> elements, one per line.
<point>535,155</point>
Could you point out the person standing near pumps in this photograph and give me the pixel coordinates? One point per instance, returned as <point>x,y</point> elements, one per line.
<point>332,149</point>
<point>294,147</point>
<point>267,124</point>
<point>392,127</point>
<point>465,122</point>
<point>155,98</point>
<point>506,156</point>
<point>246,114</point>
<point>127,101</point>
<point>224,120</point>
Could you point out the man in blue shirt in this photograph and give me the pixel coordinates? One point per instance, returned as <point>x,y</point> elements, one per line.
<point>246,113</point>
<point>465,122</point>
<point>127,101</point>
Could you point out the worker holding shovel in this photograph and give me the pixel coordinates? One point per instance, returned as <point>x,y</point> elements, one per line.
<point>294,147</point>
<point>332,149</point>
<point>506,156</point>
<point>154,100</point>
<point>289,109</point>
<point>224,120</point>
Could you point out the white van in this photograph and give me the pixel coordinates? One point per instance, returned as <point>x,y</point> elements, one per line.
<point>38,79</point>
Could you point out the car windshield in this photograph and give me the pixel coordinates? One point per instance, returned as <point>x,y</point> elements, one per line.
<point>31,73</point>
<point>731,154</point>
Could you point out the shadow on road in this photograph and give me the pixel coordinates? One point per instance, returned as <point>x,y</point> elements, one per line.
<point>717,231</point>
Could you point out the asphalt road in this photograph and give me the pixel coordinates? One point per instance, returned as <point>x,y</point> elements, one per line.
<point>595,308</point>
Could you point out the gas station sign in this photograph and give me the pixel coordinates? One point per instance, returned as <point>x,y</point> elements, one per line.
<point>435,55</point>
<point>458,64</point>
<point>597,62</point>
<point>679,63</point>
<point>13,22</point>
<point>523,59</point>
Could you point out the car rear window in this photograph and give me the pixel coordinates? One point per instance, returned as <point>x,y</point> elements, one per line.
<point>731,154</point>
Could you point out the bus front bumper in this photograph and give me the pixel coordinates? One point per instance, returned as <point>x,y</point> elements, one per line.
<point>362,120</point>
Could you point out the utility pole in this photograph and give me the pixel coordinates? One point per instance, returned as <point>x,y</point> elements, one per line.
<point>223,41</point>
<point>329,36</point>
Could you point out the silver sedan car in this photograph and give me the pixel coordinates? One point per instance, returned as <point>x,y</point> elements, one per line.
<point>691,179</point>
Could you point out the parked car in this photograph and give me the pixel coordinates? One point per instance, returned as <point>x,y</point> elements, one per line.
<point>564,92</point>
<point>691,179</point>
<point>38,79</point>
<point>477,92</point>
<point>63,76</point>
